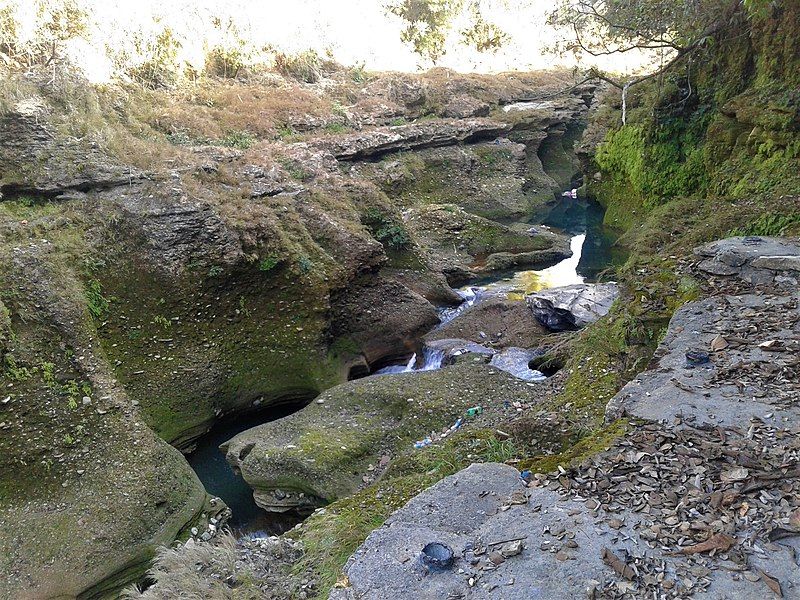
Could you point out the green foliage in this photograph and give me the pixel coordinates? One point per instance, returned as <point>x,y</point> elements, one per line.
<point>238,139</point>
<point>305,264</point>
<point>307,66</point>
<point>336,128</point>
<point>228,58</point>
<point>54,23</point>
<point>295,169</point>
<point>268,263</point>
<point>429,25</point>
<point>386,230</point>
<point>654,165</point>
<point>769,224</point>
<point>14,371</point>
<point>397,121</point>
<point>359,73</point>
<point>499,450</point>
<point>162,321</point>
<point>97,303</point>
<point>160,66</point>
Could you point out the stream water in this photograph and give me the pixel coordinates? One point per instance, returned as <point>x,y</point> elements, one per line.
<point>219,479</point>
<point>592,251</point>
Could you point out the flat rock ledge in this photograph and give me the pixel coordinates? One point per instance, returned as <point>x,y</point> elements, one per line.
<point>554,541</point>
<point>756,260</point>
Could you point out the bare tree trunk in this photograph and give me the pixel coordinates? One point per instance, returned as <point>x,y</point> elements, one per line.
<point>625,102</point>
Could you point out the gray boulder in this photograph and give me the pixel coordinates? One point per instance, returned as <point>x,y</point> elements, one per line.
<point>572,306</point>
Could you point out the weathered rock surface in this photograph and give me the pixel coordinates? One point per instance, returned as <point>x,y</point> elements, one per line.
<point>572,306</point>
<point>699,501</point>
<point>384,318</point>
<point>485,512</point>
<point>747,345</point>
<point>753,342</point>
<point>463,245</point>
<point>88,488</point>
<point>756,260</point>
<point>493,321</point>
<point>324,450</point>
<point>414,136</point>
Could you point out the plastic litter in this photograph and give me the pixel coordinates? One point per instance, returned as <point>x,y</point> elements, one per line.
<point>475,410</point>
<point>422,443</point>
<point>573,193</point>
<point>438,555</point>
<point>695,358</point>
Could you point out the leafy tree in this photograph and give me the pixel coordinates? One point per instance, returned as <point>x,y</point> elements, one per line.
<point>429,24</point>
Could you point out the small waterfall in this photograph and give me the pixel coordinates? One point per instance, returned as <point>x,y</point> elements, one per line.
<point>432,359</point>
<point>470,295</point>
<point>398,368</point>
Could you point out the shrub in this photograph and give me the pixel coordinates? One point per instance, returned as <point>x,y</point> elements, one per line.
<point>307,66</point>
<point>159,66</point>
<point>95,301</point>
<point>56,22</point>
<point>268,263</point>
<point>386,230</point>
<point>238,139</point>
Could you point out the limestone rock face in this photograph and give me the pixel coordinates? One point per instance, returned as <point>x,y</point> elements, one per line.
<point>464,245</point>
<point>414,136</point>
<point>35,158</point>
<point>383,317</point>
<point>572,306</point>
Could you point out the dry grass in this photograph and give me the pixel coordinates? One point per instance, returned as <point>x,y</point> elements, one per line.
<point>201,572</point>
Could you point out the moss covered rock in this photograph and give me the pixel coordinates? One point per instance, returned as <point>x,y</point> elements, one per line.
<point>463,245</point>
<point>322,452</point>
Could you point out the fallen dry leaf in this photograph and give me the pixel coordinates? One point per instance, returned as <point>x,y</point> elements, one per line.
<point>772,583</point>
<point>735,474</point>
<point>616,563</point>
<point>719,343</point>
<point>718,541</point>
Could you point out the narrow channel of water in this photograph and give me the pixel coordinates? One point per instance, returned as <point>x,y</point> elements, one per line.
<point>592,253</point>
<point>219,479</point>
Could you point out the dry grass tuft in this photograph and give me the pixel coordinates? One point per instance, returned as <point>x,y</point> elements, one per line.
<point>201,571</point>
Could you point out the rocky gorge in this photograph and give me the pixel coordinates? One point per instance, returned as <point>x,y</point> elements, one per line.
<point>417,368</point>
<point>145,304</point>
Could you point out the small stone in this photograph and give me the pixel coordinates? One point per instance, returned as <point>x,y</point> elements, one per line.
<point>512,549</point>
